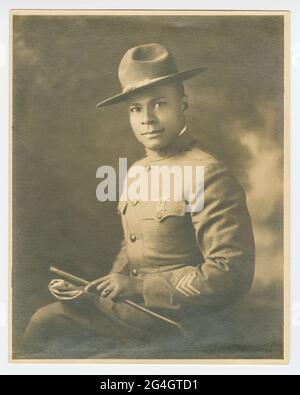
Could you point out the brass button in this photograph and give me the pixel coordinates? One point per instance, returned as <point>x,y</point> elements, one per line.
<point>134,272</point>
<point>132,238</point>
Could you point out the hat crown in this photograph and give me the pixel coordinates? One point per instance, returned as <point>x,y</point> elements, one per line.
<point>145,63</point>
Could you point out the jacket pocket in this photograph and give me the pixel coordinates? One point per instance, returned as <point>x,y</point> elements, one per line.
<point>168,233</point>
<point>159,211</point>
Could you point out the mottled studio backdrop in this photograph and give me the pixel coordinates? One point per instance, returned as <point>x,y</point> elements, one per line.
<point>64,65</point>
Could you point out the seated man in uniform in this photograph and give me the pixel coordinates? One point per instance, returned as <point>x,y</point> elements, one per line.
<point>178,265</point>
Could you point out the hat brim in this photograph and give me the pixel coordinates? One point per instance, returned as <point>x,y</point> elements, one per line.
<point>183,75</point>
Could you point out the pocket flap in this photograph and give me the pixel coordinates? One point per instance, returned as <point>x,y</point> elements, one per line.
<point>161,210</point>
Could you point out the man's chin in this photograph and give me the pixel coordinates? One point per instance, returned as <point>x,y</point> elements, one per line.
<point>154,146</point>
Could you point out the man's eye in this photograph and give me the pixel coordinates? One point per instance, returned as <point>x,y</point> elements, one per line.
<point>135,109</point>
<point>160,104</point>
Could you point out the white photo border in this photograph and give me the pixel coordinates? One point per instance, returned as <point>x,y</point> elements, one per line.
<point>82,368</point>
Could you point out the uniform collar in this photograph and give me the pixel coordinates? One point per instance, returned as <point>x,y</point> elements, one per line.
<point>182,141</point>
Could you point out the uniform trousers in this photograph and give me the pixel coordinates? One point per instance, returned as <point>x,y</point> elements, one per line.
<point>83,329</point>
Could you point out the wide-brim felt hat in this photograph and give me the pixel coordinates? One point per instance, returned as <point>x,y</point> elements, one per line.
<point>145,66</point>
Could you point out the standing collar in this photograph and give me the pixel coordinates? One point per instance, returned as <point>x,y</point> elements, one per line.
<point>183,131</point>
<point>180,143</point>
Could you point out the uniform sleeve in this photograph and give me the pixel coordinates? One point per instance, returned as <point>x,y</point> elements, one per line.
<point>224,236</point>
<point>120,264</point>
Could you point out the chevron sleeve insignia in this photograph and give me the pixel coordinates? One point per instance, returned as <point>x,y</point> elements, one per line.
<point>185,286</point>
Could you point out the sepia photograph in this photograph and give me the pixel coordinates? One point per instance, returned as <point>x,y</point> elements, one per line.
<point>149,186</point>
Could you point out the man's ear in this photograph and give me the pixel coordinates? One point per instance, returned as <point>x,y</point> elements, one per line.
<point>185,102</point>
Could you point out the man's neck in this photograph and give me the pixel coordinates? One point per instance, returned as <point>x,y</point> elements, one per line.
<point>182,141</point>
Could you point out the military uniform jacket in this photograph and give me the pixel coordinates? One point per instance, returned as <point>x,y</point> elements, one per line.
<point>203,260</point>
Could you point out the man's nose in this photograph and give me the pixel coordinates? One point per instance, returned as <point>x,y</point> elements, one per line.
<point>148,117</point>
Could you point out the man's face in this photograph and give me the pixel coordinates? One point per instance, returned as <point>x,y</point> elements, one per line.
<point>157,115</point>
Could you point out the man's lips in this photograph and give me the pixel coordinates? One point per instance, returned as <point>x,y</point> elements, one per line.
<point>152,132</point>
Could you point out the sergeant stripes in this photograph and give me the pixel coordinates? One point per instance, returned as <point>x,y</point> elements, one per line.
<point>185,286</point>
